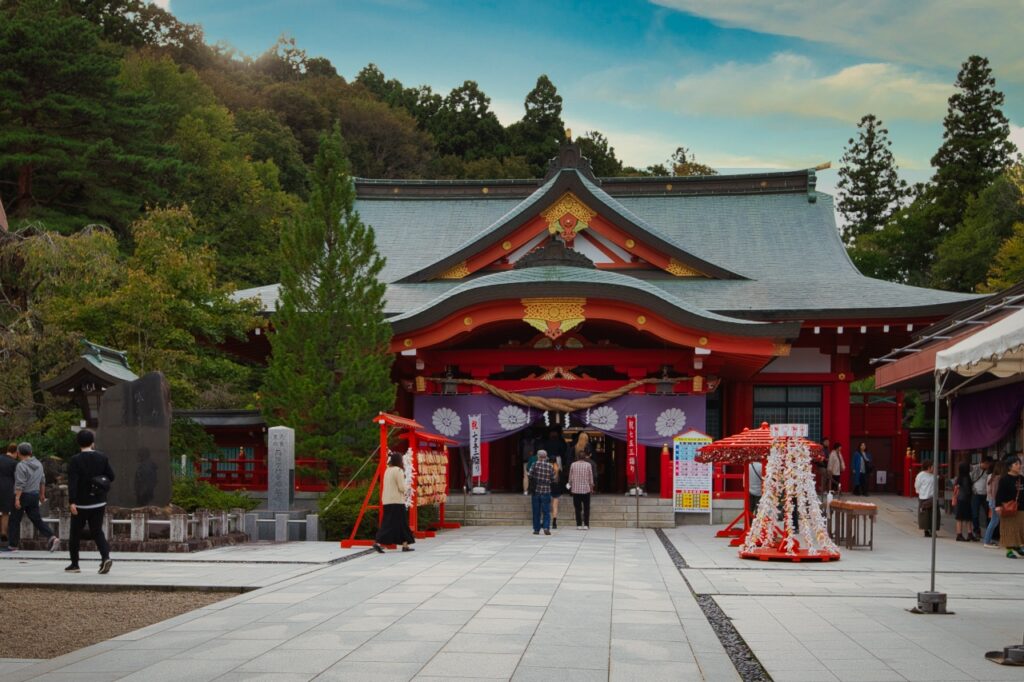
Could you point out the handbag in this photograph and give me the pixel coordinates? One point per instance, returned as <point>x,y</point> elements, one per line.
<point>1009,508</point>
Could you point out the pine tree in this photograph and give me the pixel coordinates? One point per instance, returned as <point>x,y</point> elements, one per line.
<point>684,164</point>
<point>869,187</point>
<point>976,145</point>
<point>538,135</point>
<point>330,367</point>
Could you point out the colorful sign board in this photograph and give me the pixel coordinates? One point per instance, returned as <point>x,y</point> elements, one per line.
<point>691,486</point>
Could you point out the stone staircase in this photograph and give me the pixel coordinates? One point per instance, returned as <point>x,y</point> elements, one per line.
<point>606,511</point>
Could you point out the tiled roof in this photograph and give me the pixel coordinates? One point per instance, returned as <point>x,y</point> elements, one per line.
<point>786,247</point>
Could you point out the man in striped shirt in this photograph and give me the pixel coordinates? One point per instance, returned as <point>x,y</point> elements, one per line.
<point>543,476</point>
<point>581,484</point>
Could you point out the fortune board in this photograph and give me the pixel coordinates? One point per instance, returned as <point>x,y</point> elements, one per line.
<point>691,480</point>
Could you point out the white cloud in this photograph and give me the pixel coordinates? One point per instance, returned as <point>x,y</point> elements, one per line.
<point>162,4</point>
<point>1017,136</point>
<point>921,32</point>
<point>791,84</point>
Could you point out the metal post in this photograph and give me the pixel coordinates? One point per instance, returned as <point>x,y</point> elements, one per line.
<point>636,485</point>
<point>935,475</point>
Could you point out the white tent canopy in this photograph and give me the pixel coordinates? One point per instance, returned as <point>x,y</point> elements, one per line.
<point>997,349</point>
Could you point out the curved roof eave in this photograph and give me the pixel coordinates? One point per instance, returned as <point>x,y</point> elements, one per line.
<point>570,179</point>
<point>577,282</point>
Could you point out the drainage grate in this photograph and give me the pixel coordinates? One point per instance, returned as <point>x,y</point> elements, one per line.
<point>747,665</point>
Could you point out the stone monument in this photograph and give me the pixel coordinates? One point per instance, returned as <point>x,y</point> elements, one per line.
<point>135,432</point>
<point>280,468</point>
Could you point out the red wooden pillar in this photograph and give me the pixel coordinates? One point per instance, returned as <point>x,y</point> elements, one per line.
<point>739,407</point>
<point>485,464</point>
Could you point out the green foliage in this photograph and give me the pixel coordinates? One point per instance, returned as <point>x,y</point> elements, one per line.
<point>976,145</point>
<point>967,254</point>
<point>540,132</point>
<point>601,154</point>
<point>340,509</point>
<point>190,438</point>
<point>383,142</point>
<point>191,494</point>
<point>904,249</point>
<point>330,367</point>
<point>265,138</point>
<point>1008,268</point>
<point>869,187</point>
<point>52,436</point>
<point>684,163</point>
<point>76,148</point>
<point>465,126</point>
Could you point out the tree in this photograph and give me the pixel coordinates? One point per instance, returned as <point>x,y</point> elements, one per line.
<point>540,132</point>
<point>383,142</point>
<point>904,249</point>
<point>600,153</point>
<point>976,145</point>
<point>869,187</point>
<point>421,102</point>
<point>684,163</point>
<point>76,149</point>
<point>1008,266</point>
<point>262,134</point>
<point>967,254</point>
<point>330,366</point>
<point>465,126</point>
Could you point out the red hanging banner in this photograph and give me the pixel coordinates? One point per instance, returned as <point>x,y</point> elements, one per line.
<point>631,447</point>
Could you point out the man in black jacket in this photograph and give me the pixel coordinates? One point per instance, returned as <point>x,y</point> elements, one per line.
<point>88,496</point>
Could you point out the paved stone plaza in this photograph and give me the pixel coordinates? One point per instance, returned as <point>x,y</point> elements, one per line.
<point>607,604</point>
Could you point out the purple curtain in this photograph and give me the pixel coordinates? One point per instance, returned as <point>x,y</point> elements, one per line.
<point>659,417</point>
<point>981,419</point>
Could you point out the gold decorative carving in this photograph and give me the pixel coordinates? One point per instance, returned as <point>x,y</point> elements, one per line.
<point>467,320</point>
<point>456,272</point>
<point>421,385</point>
<point>568,215</point>
<point>554,316</point>
<point>506,245</point>
<point>698,384</point>
<point>781,349</point>
<point>630,243</point>
<point>407,343</point>
<point>703,340</point>
<point>485,190</point>
<point>679,270</point>
<point>641,319</point>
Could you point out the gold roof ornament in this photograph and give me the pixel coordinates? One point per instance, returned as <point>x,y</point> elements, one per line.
<point>554,316</point>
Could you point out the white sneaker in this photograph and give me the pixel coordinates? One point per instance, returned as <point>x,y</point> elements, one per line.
<point>54,544</point>
<point>586,527</point>
<point>579,527</point>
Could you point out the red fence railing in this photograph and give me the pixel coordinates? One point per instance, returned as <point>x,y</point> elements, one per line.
<point>251,474</point>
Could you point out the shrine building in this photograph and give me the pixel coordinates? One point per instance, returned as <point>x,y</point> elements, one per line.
<point>567,303</point>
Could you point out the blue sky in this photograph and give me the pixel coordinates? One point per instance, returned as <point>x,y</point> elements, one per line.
<point>743,83</point>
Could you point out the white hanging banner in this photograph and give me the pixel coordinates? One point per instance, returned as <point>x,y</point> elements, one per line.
<point>474,443</point>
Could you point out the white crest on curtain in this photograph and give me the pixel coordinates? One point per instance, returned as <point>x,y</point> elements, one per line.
<point>447,421</point>
<point>604,418</point>
<point>512,417</point>
<point>670,422</point>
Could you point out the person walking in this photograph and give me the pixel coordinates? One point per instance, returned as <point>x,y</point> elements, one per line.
<point>836,465</point>
<point>542,475</point>
<point>8,463</point>
<point>89,479</point>
<point>29,493</point>
<point>1009,499</point>
<point>962,490</point>
<point>924,484</point>
<point>394,525</point>
<point>980,474</point>
<point>581,485</point>
<point>998,471</point>
<point>862,467</point>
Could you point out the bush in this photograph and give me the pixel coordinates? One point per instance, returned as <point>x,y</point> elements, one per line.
<point>191,494</point>
<point>337,521</point>
<point>52,436</point>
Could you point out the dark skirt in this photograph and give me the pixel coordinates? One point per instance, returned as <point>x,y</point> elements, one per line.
<point>963,507</point>
<point>394,527</point>
<point>924,515</point>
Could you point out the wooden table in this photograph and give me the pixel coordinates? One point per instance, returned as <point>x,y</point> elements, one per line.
<point>852,524</point>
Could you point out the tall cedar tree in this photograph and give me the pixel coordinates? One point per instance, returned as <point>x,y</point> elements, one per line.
<point>330,367</point>
<point>540,132</point>
<point>869,187</point>
<point>976,145</point>
<point>76,149</point>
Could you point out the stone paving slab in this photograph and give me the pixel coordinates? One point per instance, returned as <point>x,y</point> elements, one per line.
<point>478,603</point>
<point>848,620</point>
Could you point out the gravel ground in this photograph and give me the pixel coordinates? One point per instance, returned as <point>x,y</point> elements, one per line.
<point>49,622</point>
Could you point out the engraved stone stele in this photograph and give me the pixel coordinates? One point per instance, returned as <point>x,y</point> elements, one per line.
<point>135,433</point>
<point>280,468</point>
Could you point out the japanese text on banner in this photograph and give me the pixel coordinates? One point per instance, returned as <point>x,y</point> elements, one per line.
<point>474,442</point>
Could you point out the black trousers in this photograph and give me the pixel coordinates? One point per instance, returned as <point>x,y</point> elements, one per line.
<point>94,518</point>
<point>581,503</point>
<point>29,508</point>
